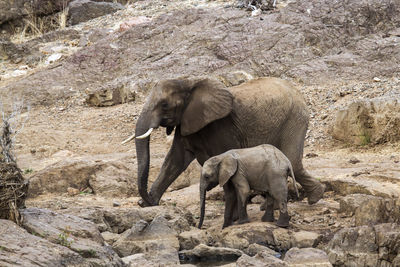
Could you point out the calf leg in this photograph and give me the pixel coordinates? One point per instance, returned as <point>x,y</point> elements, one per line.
<point>269,209</point>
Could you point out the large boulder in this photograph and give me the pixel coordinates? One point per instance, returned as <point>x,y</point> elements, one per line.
<point>370,210</point>
<point>19,248</point>
<point>365,246</point>
<point>156,239</point>
<point>109,175</point>
<point>372,121</point>
<point>84,10</point>
<point>77,234</point>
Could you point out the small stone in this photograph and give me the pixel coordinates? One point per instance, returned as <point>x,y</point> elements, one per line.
<point>354,160</point>
<point>72,191</point>
<point>116,204</point>
<point>376,79</point>
<point>311,155</point>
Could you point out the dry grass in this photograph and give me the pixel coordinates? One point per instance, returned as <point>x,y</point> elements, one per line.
<point>13,191</point>
<point>34,26</point>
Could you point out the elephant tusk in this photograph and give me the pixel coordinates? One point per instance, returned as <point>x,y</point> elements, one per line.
<point>145,135</point>
<point>128,139</point>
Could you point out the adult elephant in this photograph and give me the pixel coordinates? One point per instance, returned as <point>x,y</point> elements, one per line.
<point>209,120</point>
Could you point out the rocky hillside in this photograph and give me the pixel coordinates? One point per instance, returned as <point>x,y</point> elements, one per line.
<point>83,80</point>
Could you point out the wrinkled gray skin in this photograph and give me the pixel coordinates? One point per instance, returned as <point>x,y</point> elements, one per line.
<point>209,120</point>
<point>262,168</point>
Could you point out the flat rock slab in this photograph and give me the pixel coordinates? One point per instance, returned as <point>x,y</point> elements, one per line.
<point>242,236</point>
<point>307,257</point>
<point>204,253</point>
<point>19,248</point>
<point>375,174</point>
<point>72,232</point>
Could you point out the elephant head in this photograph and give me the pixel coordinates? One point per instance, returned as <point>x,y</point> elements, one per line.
<point>181,104</point>
<point>216,170</point>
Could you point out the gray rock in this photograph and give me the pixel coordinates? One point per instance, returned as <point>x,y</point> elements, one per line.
<point>156,240</point>
<point>365,246</point>
<point>19,248</point>
<point>107,175</point>
<point>242,236</point>
<point>262,259</point>
<point>84,10</point>
<point>307,257</point>
<point>119,220</point>
<point>370,210</point>
<point>77,234</point>
<point>204,253</point>
<point>368,121</point>
<point>110,95</point>
<point>109,237</point>
<point>190,239</point>
<point>253,249</point>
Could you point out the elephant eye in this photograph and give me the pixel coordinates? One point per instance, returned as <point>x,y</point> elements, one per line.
<point>164,105</point>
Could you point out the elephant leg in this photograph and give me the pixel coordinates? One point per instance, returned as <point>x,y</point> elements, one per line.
<point>230,204</point>
<point>269,209</point>
<point>284,217</point>
<point>314,189</point>
<point>292,145</point>
<point>176,161</point>
<point>279,192</point>
<point>242,189</point>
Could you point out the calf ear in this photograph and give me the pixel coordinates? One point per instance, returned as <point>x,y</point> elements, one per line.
<point>227,169</point>
<point>207,103</point>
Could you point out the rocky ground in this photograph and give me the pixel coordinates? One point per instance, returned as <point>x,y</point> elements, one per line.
<point>85,86</point>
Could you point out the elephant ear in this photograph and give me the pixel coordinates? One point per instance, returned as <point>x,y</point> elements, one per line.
<point>206,104</point>
<point>227,169</point>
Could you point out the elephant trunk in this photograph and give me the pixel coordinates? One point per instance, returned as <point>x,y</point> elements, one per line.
<point>202,204</point>
<point>143,156</point>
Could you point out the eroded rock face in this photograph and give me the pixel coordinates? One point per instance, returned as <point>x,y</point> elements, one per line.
<point>156,239</point>
<point>370,210</point>
<point>77,234</point>
<point>302,41</point>
<point>84,10</point>
<point>19,248</point>
<point>369,121</point>
<point>365,246</point>
<point>107,176</point>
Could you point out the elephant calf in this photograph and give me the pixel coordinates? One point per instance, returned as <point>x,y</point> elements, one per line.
<point>263,168</point>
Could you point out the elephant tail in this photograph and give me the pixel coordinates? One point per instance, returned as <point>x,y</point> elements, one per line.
<point>291,174</point>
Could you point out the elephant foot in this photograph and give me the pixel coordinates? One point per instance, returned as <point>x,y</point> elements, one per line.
<point>144,204</point>
<point>283,220</point>
<point>226,224</point>
<point>316,194</point>
<point>244,220</point>
<point>268,216</point>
